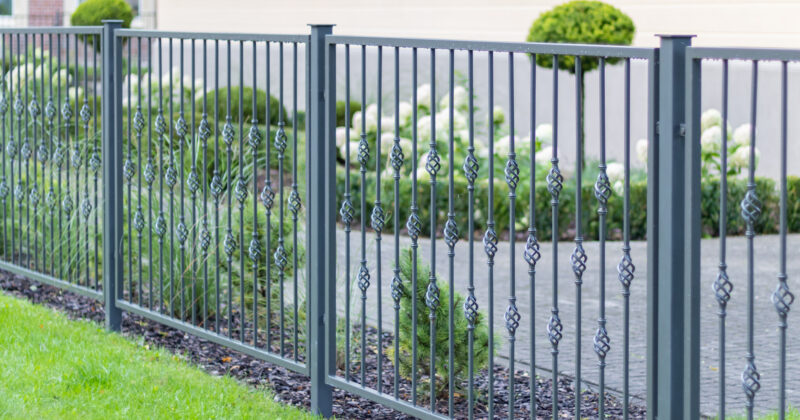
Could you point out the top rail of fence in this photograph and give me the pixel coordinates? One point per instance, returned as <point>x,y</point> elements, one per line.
<point>80,30</point>
<point>619,51</point>
<point>221,36</point>
<point>734,53</point>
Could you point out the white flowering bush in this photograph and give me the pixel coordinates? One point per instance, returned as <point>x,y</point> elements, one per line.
<point>737,141</point>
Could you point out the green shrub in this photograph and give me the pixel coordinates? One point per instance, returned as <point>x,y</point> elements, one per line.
<point>93,12</point>
<point>581,22</point>
<point>247,100</point>
<point>460,330</point>
<point>709,206</point>
<point>340,111</point>
<point>793,203</point>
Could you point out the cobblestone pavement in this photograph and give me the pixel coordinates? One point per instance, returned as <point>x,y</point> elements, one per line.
<point>766,321</point>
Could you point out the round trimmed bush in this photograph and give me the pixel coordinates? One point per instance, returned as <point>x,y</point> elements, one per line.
<point>93,12</point>
<point>581,22</point>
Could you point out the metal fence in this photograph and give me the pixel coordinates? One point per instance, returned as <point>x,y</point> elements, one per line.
<point>259,223</point>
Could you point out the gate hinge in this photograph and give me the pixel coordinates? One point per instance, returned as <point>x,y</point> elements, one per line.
<point>682,130</point>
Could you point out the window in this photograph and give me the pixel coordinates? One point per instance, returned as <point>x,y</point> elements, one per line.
<point>6,8</point>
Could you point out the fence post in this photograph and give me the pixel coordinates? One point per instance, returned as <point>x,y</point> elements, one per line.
<point>112,174</point>
<point>677,380</point>
<point>321,230</point>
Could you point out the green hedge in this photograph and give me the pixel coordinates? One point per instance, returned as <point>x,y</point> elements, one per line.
<point>766,190</point>
<point>247,101</point>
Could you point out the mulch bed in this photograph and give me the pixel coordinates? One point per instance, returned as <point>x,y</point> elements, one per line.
<point>294,389</point>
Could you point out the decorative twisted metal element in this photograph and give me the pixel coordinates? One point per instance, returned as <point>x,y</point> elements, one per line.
<point>512,173</point>
<point>432,296</point>
<point>160,228</point>
<point>254,250</point>
<point>19,192</point>
<point>50,110</point>
<point>625,268</point>
<point>85,114</point>
<point>128,170</point>
<point>434,162</point>
<point>66,114</point>
<point>204,130</point>
<point>171,176</point>
<point>94,162</point>
<point>160,124</point>
<point>751,380</point>
<point>86,207</point>
<point>280,140</point>
<point>281,257</point>
<point>471,168</point>
<point>722,286</point>
<point>294,202</point>
<point>471,309</point>
<point>378,218</point>
<point>25,151</point>
<point>578,259</point>
<point>254,136</point>
<point>451,231</point>
<point>204,240</point>
<point>19,106</point>
<point>3,189</point>
<point>181,128</point>
<point>363,152</point>
<point>414,224</point>
<point>397,157</point>
<point>347,212</point>
<point>531,254</point>
<point>602,190</point>
<point>3,105</point>
<point>490,242</point>
<point>751,209</point>
<point>11,148</point>
<point>182,232</point>
<point>33,196</point>
<point>66,204</point>
<point>397,290</point>
<point>193,182</point>
<point>58,155</point>
<point>228,133</point>
<point>230,244</point>
<point>267,197</point>
<point>554,328</point>
<point>138,221</point>
<point>76,159</point>
<point>782,298</point>
<point>34,109</point>
<point>149,172</point>
<point>512,318</point>
<point>363,280</point>
<point>602,342</point>
<point>42,153</point>
<point>555,181</point>
<point>241,191</point>
<point>49,198</point>
<point>216,187</point>
<point>138,122</point>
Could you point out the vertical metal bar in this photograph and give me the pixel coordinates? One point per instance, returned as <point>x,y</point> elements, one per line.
<point>751,210</point>
<point>33,195</point>
<point>150,172</point>
<point>95,162</point>
<point>397,163</point>
<point>216,190</point>
<point>653,70</point>
<point>512,316</point>
<point>181,230</point>
<point>76,160</point>
<point>602,192</point>
<point>377,220</point>
<point>414,226</point>
<point>86,204</point>
<point>782,298</point>
<point>554,185</point>
<point>625,268</point>
<point>363,159</point>
<point>128,173</point>
<point>294,202</point>
<point>268,199</point>
<point>192,184</point>
<point>3,110</point>
<point>203,132</point>
<point>671,202</point>
<point>112,176</point>
<point>171,177</point>
<point>241,195</point>
<point>321,155</point>
<point>280,146</point>
<point>254,251</point>
<point>471,304</point>
<point>531,254</point>
<point>347,211</point>
<point>432,293</point>
<point>490,237</point>
<point>450,237</point>
<point>26,154</point>
<point>19,107</point>
<point>578,257</point>
<point>722,286</point>
<point>139,125</point>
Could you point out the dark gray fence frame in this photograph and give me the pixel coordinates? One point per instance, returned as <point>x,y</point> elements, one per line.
<point>673,200</point>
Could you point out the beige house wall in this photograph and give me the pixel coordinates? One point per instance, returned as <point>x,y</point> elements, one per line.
<point>770,23</point>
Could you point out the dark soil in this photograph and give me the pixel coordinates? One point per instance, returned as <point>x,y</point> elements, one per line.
<point>293,388</point>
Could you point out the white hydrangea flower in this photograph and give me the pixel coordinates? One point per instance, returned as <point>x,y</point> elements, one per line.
<point>460,99</point>
<point>371,118</point>
<point>353,151</point>
<point>502,146</point>
<point>543,156</point>
<point>424,96</point>
<point>387,124</point>
<point>498,115</point>
<point>405,111</point>
<point>406,146</point>
<point>387,141</point>
<point>641,150</point>
<point>61,78</point>
<point>544,133</point>
<point>741,136</point>
<point>341,136</point>
<point>618,187</point>
<point>356,123</point>
<point>740,159</point>
<point>424,128</point>
<point>443,123</point>
<point>710,118</point>
<point>711,139</point>
<point>615,172</point>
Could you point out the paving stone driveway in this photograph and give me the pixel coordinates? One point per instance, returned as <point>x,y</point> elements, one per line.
<point>766,331</point>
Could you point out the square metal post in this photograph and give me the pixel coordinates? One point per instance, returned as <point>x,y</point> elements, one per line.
<point>652,237</point>
<point>676,379</point>
<point>112,171</point>
<point>320,155</point>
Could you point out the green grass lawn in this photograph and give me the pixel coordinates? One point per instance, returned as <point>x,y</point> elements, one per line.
<point>52,367</point>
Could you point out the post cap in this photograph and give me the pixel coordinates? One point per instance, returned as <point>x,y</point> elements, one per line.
<point>675,36</point>
<point>314,25</point>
